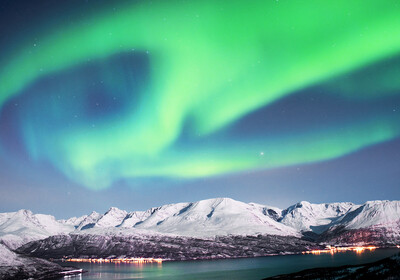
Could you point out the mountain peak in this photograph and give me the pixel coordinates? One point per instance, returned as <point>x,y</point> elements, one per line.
<point>303,203</point>
<point>113,209</point>
<point>24,212</point>
<point>218,200</point>
<point>375,202</point>
<point>306,216</point>
<point>112,218</point>
<point>373,213</point>
<point>93,213</point>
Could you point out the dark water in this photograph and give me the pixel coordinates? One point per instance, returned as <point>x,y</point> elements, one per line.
<point>251,268</point>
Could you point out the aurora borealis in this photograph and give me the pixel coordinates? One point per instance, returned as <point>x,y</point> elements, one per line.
<point>185,91</point>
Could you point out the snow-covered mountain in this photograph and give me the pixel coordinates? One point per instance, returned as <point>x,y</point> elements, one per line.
<point>210,218</point>
<point>273,212</point>
<point>17,228</point>
<point>74,221</point>
<point>135,217</point>
<point>373,214</point>
<point>305,216</point>
<point>112,218</point>
<point>88,221</point>
<point>374,222</point>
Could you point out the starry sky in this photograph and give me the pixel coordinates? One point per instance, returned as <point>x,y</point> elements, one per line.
<point>136,104</point>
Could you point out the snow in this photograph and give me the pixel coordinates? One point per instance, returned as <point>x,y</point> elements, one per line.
<point>274,212</point>
<point>373,214</point>
<point>90,219</point>
<point>205,218</point>
<point>51,225</point>
<point>16,266</point>
<point>159,214</point>
<point>219,216</point>
<point>133,218</point>
<point>7,257</point>
<point>4,217</point>
<point>74,221</point>
<point>24,226</point>
<point>112,218</point>
<point>305,216</point>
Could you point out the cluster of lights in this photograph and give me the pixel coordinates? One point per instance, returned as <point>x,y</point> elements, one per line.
<point>117,260</point>
<point>332,250</point>
<point>329,250</point>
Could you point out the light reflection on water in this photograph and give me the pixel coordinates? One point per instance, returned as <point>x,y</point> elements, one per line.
<point>246,268</point>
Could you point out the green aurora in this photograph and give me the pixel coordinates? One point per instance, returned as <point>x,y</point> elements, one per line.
<point>211,63</point>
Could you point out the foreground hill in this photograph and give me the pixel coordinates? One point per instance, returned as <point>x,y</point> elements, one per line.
<point>167,247</point>
<point>15,266</point>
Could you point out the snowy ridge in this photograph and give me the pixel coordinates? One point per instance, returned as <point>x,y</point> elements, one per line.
<point>207,218</point>
<point>373,214</point>
<point>133,218</point>
<point>74,221</point>
<point>212,217</point>
<point>374,222</point>
<point>305,216</point>
<point>88,221</point>
<point>155,216</point>
<point>18,228</point>
<point>273,212</point>
<point>112,218</point>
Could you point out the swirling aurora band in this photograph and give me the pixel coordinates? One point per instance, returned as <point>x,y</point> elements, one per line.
<point>206,65</point>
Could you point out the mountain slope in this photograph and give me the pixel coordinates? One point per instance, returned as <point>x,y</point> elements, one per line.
<point>15,266</point>
<point>89,220</point>
<point>305,216</point>
<point>20,227</point>
<point>112,218</point>
<point>163,246</point>
<point>373,213</point>
<point>133,218</point>
<point>220,216</point>
<point>374,222</point>
<point>273,212</point>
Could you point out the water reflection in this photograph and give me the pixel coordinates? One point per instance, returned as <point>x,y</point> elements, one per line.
<point>234,269</point>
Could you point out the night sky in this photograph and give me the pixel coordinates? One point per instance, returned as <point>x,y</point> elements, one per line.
<point>136,104</point>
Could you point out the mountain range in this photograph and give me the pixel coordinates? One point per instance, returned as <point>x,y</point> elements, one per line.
<point>206,229</point>
<point>214,217</point>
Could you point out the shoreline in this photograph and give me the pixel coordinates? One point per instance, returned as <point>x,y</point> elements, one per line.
<point>333,250</point>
